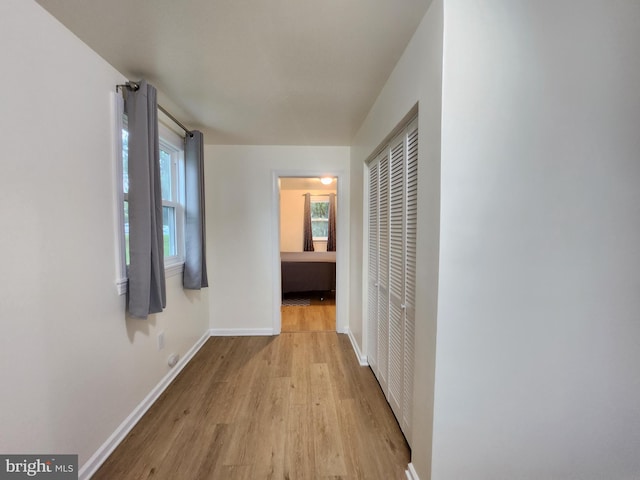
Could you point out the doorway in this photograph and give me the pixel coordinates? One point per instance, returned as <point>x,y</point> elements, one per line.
<point>307,237</point>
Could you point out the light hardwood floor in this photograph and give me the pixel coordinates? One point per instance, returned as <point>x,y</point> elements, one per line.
<point>294,406</point>
<point>320,316</point>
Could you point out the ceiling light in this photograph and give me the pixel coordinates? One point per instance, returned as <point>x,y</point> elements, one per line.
<point>326,180</point>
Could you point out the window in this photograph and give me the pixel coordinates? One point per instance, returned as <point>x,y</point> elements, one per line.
<point>125,185</point>
<point>172,182</point>
<point>320,219</point>
<point>172,185</point>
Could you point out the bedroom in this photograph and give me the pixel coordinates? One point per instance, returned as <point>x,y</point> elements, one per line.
<point>307,251</point>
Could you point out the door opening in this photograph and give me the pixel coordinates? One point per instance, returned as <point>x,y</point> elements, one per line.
<point>307,234</point>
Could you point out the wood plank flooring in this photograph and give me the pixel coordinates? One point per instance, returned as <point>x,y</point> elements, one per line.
<point>314,318</point>
<point>320,316</point>
<point>294,406</point>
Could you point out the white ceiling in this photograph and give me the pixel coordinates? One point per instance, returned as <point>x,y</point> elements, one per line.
<point>271,72</point>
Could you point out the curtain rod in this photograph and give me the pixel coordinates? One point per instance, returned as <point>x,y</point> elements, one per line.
<point>135,86</point>
<point>319,195</point>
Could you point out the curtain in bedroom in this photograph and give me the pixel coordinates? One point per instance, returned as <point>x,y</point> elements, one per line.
<point>307,232</point>
<point>331,235</point>
<point>195,262</point>
<point>146,288</point>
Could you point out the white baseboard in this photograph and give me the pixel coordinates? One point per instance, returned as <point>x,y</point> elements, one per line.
<point>411,473</point>
<point>98,458</point>
<point>362,359</point>
<point>240,332</point>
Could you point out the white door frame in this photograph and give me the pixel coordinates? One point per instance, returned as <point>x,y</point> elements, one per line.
<point>342,244</point>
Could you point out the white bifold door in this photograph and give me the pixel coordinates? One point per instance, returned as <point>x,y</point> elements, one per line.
<point>392,219</point>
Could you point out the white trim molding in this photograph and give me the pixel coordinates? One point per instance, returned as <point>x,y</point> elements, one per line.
<point>241,332</point>
<point>411,473</point>
<point>121,285</point>
<point>98,458</point>
<point>362,359</point>
<point>174,269</point>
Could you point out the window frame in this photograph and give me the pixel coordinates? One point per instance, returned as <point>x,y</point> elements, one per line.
<point>317,199</point>
<point>174,144</point>
<point>120,250</point>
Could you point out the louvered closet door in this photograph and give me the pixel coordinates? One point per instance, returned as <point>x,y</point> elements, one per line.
<point>411,223</point>
<point>396,275</point>
<point>392,221</point>
<point>383,272</point>
<point>373,254</point>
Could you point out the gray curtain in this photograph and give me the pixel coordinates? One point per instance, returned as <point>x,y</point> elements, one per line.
<point>331,235</point>
<point>146,289</point>
<point>195,262</point>
<point>308,233</point>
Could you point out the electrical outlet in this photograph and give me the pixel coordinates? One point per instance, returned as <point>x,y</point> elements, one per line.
<point>161,340</point>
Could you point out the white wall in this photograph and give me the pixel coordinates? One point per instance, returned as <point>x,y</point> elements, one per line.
<point>415,79</point>
<point>72,367</point>
<point>242,228</point>
<point>538,326</point>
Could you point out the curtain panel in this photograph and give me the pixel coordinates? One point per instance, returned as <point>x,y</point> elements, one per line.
<point>307,232</point>
<point>331,235</point>
<point>195,262</point>
<point>146,287</point>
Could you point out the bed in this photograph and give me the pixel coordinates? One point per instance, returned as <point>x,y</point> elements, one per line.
<point>308,271</point>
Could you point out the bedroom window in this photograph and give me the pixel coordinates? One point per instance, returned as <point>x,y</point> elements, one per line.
<point>172,181</point>
<point>125,185</point>
<point>320,219</point>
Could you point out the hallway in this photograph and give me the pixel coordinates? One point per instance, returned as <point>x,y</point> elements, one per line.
<point>295,406</point>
